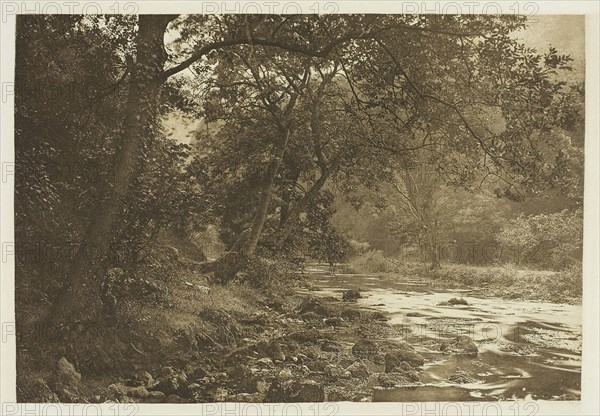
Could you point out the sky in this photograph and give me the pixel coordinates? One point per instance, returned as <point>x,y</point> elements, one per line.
<point>565,32</point>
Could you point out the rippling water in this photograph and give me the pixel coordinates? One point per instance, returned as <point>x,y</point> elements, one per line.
<point>527,349</point>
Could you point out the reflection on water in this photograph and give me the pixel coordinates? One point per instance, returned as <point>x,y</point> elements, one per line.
<point>527,349</point>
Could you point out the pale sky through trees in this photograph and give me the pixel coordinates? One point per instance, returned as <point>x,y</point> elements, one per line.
<point>564,32</point>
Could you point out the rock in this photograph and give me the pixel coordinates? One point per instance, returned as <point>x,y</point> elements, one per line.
<point>351,295</point>
<point>285,374</point>
<point>458,301</point>
<point>219,394</point>
<point>197,373</point>
<point>242,377</point>
<point>313,305</point>
<point>147,378</point>
<point>194,387</point>
<point>351,315</point>
<point>329,346</point>
<point>378,316</point>
<point>139,392</point>
<point>290,391</point>
<point>462,345</point>
<point>461,377</point>
<point>246,398</point>
<point>404,353</point>
<point>173,398</point>
<point>167,371</point>
<point>335,372</point>
<point>156,396</point>
<point>276,306</point>
<point>378,359</point>
<point>275,351</point>
<point>117,390</point>
<point>365,349</point>
<point>414,314</point>
<point>265,362</point>
<point>168,385</point>
<point>358,370</point>
<point>66,373</point>
<point>262,386</point>
<point>317,365</point>
<point>335,321</point>
<point>394,379</point>
<point>311,317</point>
<point>339,395</point>
<point>134,383</point>
<point>227,330</point>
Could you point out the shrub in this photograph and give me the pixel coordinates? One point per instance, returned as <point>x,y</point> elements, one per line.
<point>373,261</point>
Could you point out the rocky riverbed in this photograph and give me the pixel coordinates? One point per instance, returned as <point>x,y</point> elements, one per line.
<point>344,338</point>
<point>324,349</point>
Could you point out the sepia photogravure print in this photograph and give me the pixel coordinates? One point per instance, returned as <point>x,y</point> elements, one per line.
<point>228,204</point>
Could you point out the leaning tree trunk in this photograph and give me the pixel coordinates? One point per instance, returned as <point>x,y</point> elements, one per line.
<point>249,247</point>
<point>80,301</point>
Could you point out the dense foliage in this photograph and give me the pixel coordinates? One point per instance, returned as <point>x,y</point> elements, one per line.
<point>318,136</point>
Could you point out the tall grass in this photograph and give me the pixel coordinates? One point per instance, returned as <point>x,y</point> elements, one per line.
<point>507,281</point>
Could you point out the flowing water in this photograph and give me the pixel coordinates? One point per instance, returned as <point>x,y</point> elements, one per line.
<point>527,349</point>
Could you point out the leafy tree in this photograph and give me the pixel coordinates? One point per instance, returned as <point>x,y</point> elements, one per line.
<point>555,239</point>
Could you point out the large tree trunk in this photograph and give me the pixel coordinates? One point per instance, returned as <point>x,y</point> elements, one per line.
<point>292,218</point>
<point>249,247</point>
<point>80,302</point>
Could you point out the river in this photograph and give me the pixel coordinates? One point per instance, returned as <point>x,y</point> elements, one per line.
<point>527,349</point>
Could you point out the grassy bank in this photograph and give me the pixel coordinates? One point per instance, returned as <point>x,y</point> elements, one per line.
<point>506,281</point>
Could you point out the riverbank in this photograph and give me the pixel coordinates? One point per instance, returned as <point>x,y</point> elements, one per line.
<point>506,282</point>
<point>197,341</point>
<point>192,340</point>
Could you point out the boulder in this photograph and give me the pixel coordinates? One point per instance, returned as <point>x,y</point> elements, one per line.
<point>314,305</point>
<point>461,377</point>
<point>265,362</point>
<point>285,374</point>
<point>351,315</point>
<point>168,385</point>
<point>365,349</point>
<point>351,295</point>
<point>66,373</point>
<point>262,386</point>
<point>242,377</point>
<point>330,346</point>
<point>403,354</point>
<point>155,397</point>
<point>335,372</point>
<point>358,370</point>
<point>378,316</point>
<point>395,379</point>
<point>246,398</point>
<point>139,392</point>
<point>275,352</point>
<point>290,391</point>
<point>462,345</point>
<point>227,329</point>
<point>173,398</point>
